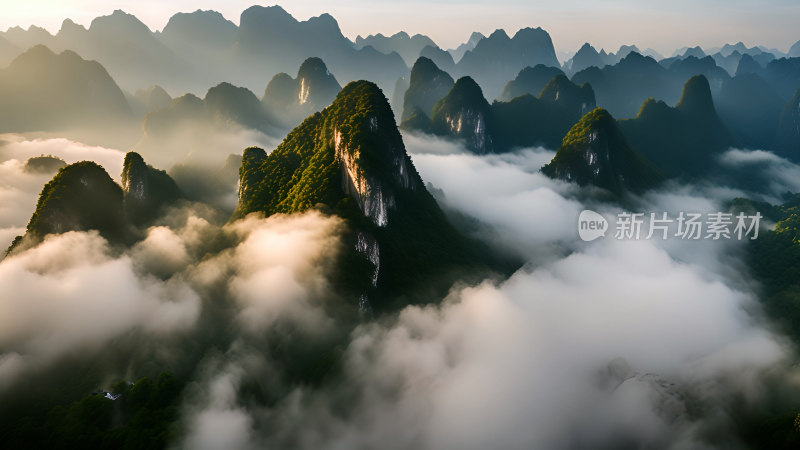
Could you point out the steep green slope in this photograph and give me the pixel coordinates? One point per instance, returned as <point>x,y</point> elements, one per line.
<point>596,152</point>
<point>82,196</point>
<point>350,158</point>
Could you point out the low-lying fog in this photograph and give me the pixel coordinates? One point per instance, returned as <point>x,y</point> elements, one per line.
<point>599,343</point>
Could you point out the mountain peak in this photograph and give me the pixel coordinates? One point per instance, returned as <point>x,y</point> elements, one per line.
<point>146,189</point>
<point>696,98</point>
<point>349,159</point>
<point>427,84</point>
<point>289,100</point>
<point>34,53</point>
<point>312,66</point>
<point>561,91</point>
<point>530,80</point>
<point>467,88</point>
<point>465,114</point>
<point>635,57</point>
<point>119,22</point>
<point>264,16</point>
<point>423,67</point>
<point>82,196</point>
<point>596,152</point>
<point>68,26</point>
<point>794,50</point>
<point>695,51</point>
<point>499,34</point>
<point>326,21</point>
<point>354,140</point>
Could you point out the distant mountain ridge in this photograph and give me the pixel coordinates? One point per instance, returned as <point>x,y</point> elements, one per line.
<point>409,47</point>
<point>45,91</point>
<point>462,112</point>
<point>498,58</point>
<point>682,140</point>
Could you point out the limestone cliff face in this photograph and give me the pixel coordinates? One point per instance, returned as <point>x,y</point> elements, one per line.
<point>349,159</point>
<point>466,115</point>
<point>374,196</point>
<point>351,149</point>
<point>596,152</point>
<point>248,180</point>
<point>289,100</point>
<point>470,125</point>
<point>367,245</point>
<point>146,189</point>
<point>134,177</point>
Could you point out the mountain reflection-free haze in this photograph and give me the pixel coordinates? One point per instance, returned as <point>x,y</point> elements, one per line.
<point>357,225</point>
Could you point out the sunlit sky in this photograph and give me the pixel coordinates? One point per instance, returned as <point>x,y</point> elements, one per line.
<point>660,24</point>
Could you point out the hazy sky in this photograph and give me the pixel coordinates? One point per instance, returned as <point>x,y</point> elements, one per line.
<point>663,25</point>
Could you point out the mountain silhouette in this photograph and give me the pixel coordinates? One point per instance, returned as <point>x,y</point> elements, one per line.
<point>530,80</point>
<point>787,141</point>
<point>409,47</point>
<point>682,140</point>
<point>8,51</point>
<point>442,59</point>
<point>529,121</point>
<point>131,52</point>
<point>748,104</point>
<point>747,65</point>
<point>289,100</point>
<point>25,39</point>
<point>427,84</point>
<point>470,44</point>
<point>199,34</point>
<point>498,58</point>
<point>621,88</point>
<point>270,40</point>
<point>587,57</point>
<point>794,50</point>
<point>44,91</point>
